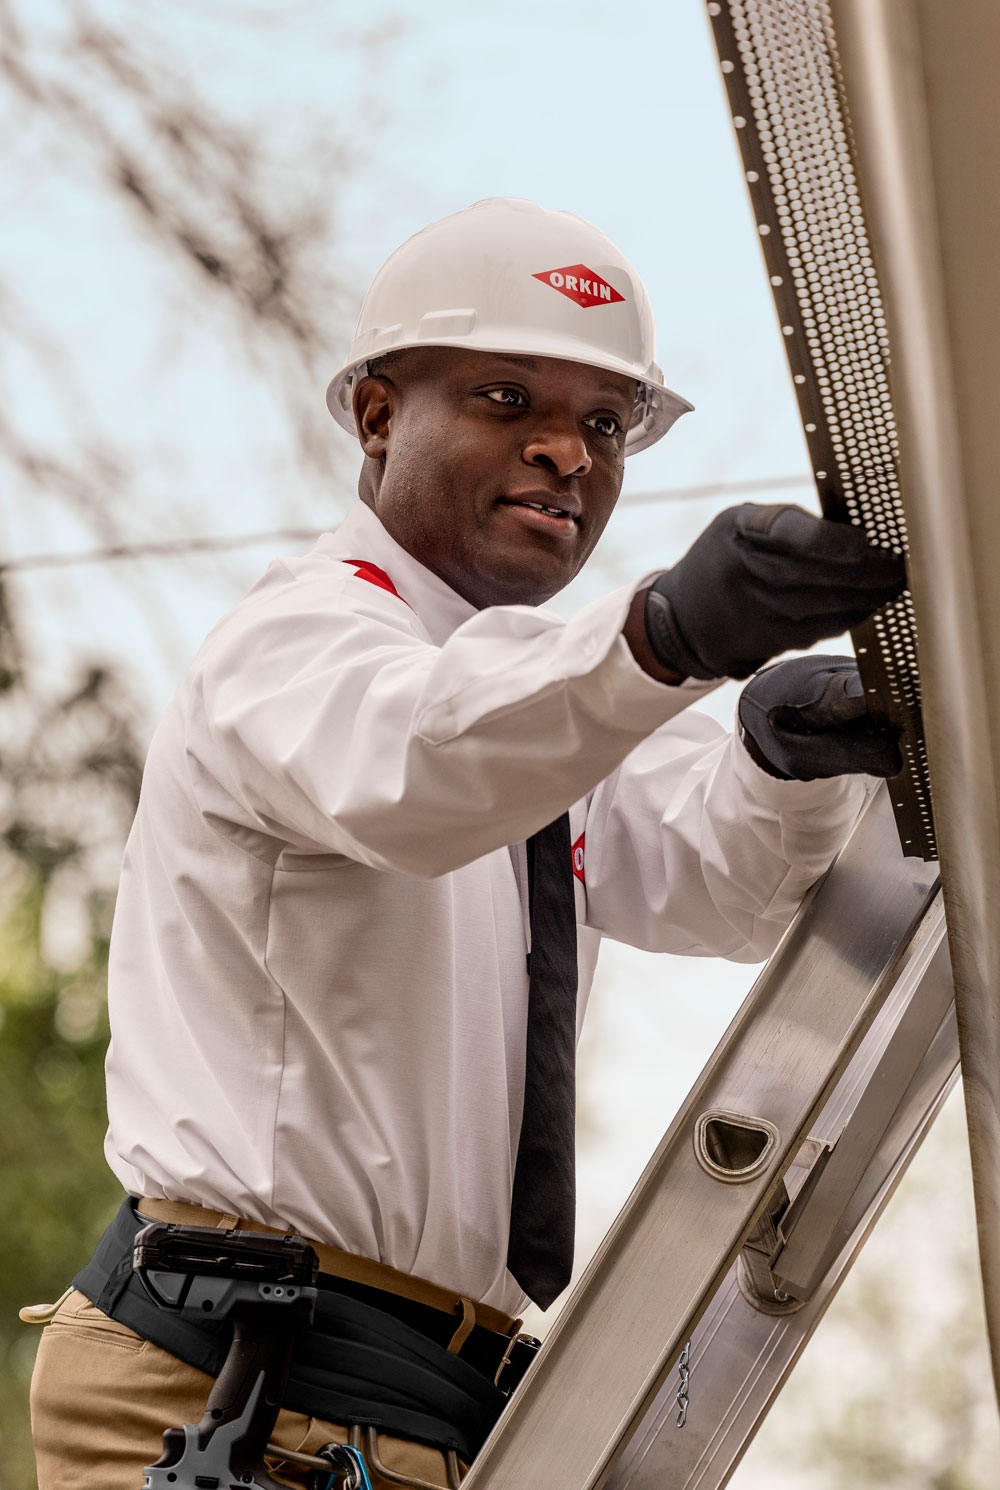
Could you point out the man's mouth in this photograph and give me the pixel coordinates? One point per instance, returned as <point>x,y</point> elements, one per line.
<point>544,515</point>
<point>552,511</point>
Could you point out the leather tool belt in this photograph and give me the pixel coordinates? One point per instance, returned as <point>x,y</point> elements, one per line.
<point>372,1357</point>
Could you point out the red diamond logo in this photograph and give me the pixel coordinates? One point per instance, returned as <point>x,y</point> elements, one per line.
<point>579,845</point>
<point>581,284</point>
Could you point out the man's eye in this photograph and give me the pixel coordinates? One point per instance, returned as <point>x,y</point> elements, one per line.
<point>605,424</point>
<point>512,398</point>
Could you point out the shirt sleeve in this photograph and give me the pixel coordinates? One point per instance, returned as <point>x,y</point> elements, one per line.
<point>691,848</point>
<point>328,721</point>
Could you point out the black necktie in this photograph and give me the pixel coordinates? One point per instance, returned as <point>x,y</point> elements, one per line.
<point>543,1204</point>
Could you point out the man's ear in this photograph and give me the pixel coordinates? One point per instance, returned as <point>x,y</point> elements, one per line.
<point>374,405</point>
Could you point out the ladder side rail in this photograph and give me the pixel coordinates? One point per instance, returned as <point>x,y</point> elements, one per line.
<point>740,1354</point>
<point>812,1237</point>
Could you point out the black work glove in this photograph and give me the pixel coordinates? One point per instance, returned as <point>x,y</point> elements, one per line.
<point>807,718</point>
<point>761,581</point>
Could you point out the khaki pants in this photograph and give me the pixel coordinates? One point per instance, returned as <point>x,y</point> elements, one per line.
<point>101,1397</point>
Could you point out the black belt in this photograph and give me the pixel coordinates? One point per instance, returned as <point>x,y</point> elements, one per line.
<point>371,1357</point>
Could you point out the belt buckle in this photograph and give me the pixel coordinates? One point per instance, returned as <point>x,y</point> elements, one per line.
<point>531,1346</point>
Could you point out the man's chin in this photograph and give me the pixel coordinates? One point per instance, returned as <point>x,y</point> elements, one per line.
<point>521,581</point>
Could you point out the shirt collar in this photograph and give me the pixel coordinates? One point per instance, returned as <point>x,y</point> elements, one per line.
<point>362,536</point>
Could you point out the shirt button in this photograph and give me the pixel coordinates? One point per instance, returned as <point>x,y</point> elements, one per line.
<point>589,646</point>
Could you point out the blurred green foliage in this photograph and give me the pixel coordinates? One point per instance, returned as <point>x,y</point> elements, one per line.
<point>69,776</point>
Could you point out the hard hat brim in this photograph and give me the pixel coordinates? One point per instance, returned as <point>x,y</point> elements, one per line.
<point>661,407</point>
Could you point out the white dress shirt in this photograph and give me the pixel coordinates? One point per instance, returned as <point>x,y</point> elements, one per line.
<point>317,980</point>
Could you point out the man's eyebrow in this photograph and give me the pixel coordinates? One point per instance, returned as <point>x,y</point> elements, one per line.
<point>615,389</point>
<point>528,363</point>
<point>531,365</point>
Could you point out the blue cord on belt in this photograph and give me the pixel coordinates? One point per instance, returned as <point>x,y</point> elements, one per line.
<point>349,1461</point>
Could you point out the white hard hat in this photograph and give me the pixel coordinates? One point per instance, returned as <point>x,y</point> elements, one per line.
<point>506,275</point>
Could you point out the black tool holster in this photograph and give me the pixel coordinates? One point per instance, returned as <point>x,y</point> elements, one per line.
<point>266,1286</point>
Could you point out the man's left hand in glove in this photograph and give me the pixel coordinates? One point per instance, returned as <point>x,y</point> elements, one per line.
<point>807,718</point>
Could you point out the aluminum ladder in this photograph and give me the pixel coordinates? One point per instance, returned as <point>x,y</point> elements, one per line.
<point>756,1202</point>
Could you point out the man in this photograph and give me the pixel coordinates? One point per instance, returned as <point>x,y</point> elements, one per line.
<point>356,930</point>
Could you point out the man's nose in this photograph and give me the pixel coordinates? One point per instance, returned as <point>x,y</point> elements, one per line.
<point>562,451</point>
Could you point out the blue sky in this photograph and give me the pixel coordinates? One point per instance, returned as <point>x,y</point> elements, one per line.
<point>623,122</point>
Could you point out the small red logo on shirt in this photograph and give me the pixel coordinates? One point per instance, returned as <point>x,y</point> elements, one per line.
<point>580,284</point>
<point>374,576</point>
<point>578,858</point>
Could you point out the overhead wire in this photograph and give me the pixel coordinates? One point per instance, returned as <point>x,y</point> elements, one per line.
<point>717,489</point>
<point>225,542</point>
<point>168,548</point>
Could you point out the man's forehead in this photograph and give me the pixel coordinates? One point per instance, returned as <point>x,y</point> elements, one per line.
<point>608,382</point>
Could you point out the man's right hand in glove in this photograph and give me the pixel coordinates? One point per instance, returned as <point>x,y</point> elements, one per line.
<point>806,718</point>
<point>758,582</point>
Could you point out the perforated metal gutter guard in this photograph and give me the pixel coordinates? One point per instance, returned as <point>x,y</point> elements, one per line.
<point>782,76</point>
